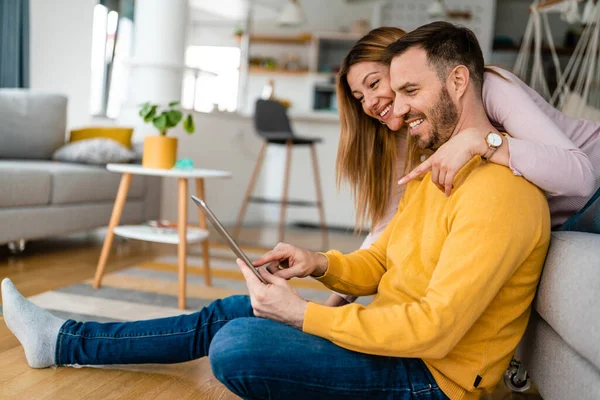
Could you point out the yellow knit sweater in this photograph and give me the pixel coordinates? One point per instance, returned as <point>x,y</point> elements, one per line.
<point>454,278</point>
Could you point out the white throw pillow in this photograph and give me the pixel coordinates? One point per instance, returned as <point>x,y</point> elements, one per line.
<point>97,151</point>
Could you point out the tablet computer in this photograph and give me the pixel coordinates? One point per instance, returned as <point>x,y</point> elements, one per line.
<point>232,244</point>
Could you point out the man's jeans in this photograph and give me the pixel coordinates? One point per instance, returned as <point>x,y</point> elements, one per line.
<point>255,358</point>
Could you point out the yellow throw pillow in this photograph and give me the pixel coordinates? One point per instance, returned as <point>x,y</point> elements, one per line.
<point>119,134</point>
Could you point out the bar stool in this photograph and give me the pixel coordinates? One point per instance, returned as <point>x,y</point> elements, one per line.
<point>273,126</point>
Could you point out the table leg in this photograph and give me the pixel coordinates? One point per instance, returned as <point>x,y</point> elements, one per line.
<point>286,185</point>
<point>182,247</point>
<point>202,220</point>
<point>114,221</point>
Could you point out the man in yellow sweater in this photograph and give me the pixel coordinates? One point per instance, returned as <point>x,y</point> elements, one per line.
<point>453,277</point>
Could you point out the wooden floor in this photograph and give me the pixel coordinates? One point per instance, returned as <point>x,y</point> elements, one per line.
<point>52,264</point>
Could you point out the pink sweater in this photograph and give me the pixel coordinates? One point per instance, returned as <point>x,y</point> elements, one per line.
<point>551,150</point>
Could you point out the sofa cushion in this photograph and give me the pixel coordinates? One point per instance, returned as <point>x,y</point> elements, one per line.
<point>33,124</point>
<point>568,297</point>
<point>79,183</point>
<point>72,183</point>
<point>97,151</point>
<point>558,371</point>
<point>24,184</point>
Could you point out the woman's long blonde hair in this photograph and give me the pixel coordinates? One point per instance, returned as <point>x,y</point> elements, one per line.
<point>367,150</point>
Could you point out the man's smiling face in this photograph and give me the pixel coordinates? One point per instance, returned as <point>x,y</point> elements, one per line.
<point>422,99</point>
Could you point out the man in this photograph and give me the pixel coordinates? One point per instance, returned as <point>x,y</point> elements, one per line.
<point>454,277</point>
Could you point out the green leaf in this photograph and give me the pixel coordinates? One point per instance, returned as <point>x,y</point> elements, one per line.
<point>146,108</point>
<point>160,122</point>
<point>173,103</point>
<point>148,117</point>
<point>188,124</point>
<point>173,118</point>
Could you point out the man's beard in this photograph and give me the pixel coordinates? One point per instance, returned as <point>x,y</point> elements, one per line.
<point>444,118</point>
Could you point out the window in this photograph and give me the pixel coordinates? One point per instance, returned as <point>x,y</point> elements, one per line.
<point>211,79</point>
<point>111,47</point>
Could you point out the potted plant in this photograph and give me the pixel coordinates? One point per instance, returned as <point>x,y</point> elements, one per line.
<point>161,151</point>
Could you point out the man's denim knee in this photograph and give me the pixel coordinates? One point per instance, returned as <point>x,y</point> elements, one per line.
<point>231,353</point>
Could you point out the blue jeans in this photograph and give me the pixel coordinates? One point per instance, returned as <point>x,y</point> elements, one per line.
<point>255,358</point>
<point>587,219</point>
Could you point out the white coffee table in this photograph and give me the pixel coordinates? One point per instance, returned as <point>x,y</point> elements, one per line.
<point>184,234</point>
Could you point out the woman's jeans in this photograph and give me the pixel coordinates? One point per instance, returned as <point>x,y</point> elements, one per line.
<point>255,358</point>
<point>587,219</point>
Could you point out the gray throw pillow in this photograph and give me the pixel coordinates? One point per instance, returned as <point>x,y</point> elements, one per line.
<point>97,151</point>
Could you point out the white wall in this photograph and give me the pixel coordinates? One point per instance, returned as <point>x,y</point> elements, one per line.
<point>60,52</point>
<point>213,33</point>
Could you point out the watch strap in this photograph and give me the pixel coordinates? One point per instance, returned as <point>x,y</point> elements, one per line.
<point>489,153</point>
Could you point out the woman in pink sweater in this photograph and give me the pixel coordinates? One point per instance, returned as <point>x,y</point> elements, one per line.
<point>551,150</point>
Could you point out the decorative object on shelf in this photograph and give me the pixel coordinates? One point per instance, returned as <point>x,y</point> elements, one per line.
<point>268,90</point>
<point>161,151</point>
<point>268,63</point>
<point>162,226</point>
<point>291,15</point>
<point>437,9</point>
<point>184,163</point>
<point>268,93</point>
<point>292,62</point>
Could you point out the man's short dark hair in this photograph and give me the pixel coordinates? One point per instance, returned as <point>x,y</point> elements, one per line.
<point>447,46</point>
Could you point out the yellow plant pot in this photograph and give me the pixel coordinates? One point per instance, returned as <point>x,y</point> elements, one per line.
<point>159,152</point>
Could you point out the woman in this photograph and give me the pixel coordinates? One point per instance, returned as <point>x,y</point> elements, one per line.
<point>546,147</point>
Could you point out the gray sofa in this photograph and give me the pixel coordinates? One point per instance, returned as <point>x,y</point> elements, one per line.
<point>39,197</point>
<point>561,347</point>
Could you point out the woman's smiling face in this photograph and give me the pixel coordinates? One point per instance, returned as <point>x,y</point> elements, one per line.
<point>369,82</point>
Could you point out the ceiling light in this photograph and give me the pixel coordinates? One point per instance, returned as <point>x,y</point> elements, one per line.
<point>291,15</point>
<point>436,9</point>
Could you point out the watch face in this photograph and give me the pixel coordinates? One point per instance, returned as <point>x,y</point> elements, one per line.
<point>494,139</point>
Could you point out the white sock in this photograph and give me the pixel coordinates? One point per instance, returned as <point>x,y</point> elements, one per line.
<point>36,329</point>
